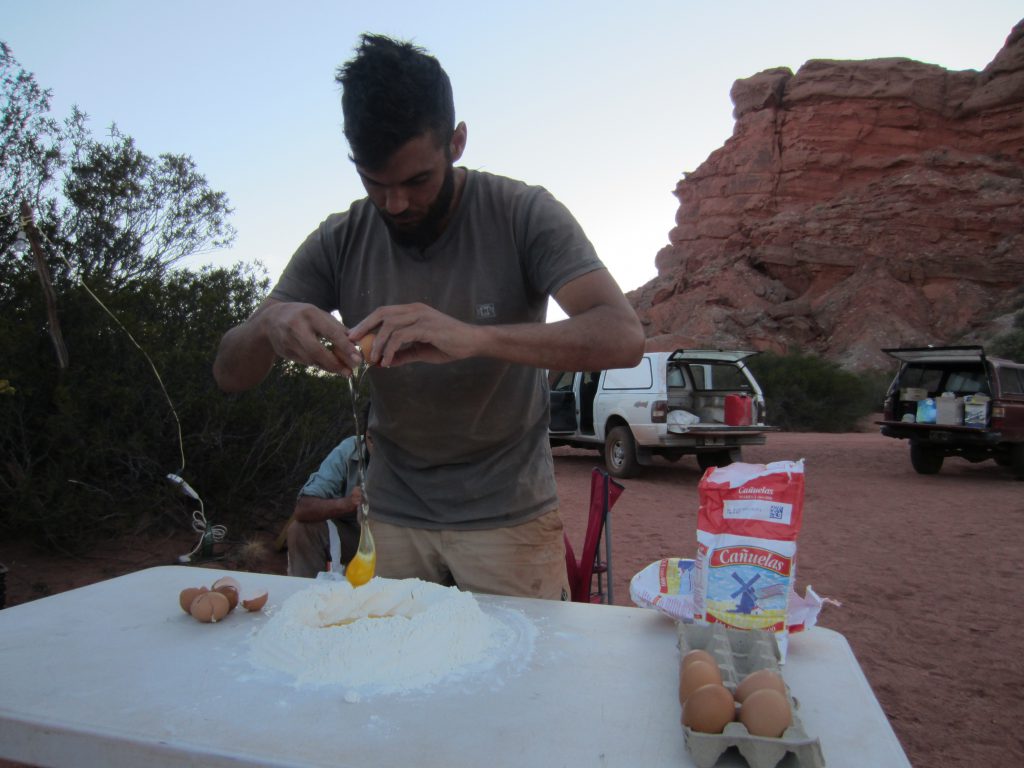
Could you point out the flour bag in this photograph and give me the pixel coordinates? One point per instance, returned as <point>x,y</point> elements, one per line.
<point>747,526</point>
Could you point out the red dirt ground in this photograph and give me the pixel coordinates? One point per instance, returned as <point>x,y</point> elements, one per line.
<point>927,569</point>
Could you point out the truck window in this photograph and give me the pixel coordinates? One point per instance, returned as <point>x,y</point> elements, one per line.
<point>967,382</point>
<point>561,381</point>
<point>923,378</point>
<point>697,374</point>
<point>728,377</point>
<point>937,378</point>
<point>715,376</point>
<point>1010,381</point>
<point>638,377</point>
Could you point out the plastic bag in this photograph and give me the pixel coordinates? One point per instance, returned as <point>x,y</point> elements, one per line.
<point>666,585</point>
<point>679,420</point>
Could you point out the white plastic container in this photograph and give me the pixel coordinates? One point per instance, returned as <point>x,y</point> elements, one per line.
<point>949,409</point>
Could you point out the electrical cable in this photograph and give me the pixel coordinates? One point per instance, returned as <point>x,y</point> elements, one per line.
<point>207,534</point>
<point>149,360</point>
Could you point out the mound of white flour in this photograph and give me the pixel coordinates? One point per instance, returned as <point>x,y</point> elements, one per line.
<point>387,635</point>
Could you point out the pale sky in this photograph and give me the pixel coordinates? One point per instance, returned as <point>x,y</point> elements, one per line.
<point>606,104</point>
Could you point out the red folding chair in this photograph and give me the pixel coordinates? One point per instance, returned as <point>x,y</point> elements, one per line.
<point>604,492</point>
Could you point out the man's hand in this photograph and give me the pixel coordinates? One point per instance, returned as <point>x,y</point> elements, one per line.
<point>299,332</point>
<point>306,334</point>
<point>313,509</point>
<point>355,499</point>
<point>407,333</point>
<point>602,331</point>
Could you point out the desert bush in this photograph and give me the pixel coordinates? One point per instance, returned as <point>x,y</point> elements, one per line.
<point>85,447</point>
<point>1011,344</point>
<point>86,451</point>
<point>806,393</point>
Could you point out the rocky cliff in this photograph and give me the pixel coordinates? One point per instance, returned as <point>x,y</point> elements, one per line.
<point>857,205</point>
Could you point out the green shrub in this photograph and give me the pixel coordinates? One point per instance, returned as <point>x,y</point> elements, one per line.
<point>1011,344</point>
<point>85,449</point>
<point>86,452</point>
<point>806,393</point>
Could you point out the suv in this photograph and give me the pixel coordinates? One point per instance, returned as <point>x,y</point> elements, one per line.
<point>956,401</point>
<point>691,401</point>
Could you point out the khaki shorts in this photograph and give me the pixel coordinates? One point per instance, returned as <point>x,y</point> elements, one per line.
<point>526,560</point>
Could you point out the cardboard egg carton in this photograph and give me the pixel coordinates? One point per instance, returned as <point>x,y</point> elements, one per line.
<point>738,653</point>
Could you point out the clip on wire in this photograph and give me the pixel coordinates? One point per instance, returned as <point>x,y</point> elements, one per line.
<point>208,535</point>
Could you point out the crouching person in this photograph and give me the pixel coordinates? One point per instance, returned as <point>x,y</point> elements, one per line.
<point>324,531</point>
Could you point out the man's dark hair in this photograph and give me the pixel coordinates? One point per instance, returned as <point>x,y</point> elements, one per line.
<point>393,91</point>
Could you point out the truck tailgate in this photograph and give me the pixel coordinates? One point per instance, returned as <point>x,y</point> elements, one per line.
<point>719,430</point>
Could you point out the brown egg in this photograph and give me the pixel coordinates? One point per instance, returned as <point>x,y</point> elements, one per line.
<point>698,655</point>
<point>254,601</point>
<point>696,674</point>
<point>210,607</point>
<point>188,595</point>
<point>766,713</point>
<point>709,709</point>
<point>755,681</point>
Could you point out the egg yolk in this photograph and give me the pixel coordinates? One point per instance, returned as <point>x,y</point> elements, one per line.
<point>360,570</point>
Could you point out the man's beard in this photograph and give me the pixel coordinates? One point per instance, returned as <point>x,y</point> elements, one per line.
<point>429,229</point>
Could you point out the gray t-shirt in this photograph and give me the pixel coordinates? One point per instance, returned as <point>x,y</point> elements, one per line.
<point>464,444</point>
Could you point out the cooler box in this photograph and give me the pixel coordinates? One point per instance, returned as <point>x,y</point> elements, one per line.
<point>913,394</point>
<point>738,410</point>
<point>976,410</point>
<point>949,410</point>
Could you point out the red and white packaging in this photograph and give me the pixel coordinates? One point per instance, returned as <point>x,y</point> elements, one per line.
<point>747,526</point>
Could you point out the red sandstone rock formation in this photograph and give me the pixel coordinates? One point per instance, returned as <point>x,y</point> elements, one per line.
<point>857,205</point>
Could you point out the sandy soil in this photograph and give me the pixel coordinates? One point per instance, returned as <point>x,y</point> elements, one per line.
<point>927,570</point>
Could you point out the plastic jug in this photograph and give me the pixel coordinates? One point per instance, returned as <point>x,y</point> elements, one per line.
<point>738,410</point>
<point>926,411</point>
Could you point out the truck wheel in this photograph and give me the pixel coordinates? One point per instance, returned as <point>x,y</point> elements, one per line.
<point>718,458</point>
<point>620,453</point>
<point>925,460</point>
<point>1017,460</point>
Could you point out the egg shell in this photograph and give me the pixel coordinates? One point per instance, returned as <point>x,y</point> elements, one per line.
<point>755,681</point>
<point>230,593</point>
<point>188,595</point>
<point>366,346</point>
<point>696,674</point>
<point>766,712</point>
<point>229,581</point>
<point>254,601</point>
<point>210,607</point>
<point>709,709</point>
<point>697,654</point>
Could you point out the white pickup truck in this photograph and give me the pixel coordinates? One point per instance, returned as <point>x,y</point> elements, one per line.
<point>704,402</point>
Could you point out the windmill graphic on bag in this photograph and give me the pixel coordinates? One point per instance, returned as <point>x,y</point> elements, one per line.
<point>749,596</point>
<point>746,594</point>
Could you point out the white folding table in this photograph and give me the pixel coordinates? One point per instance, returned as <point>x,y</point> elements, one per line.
<point>115,674</point>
